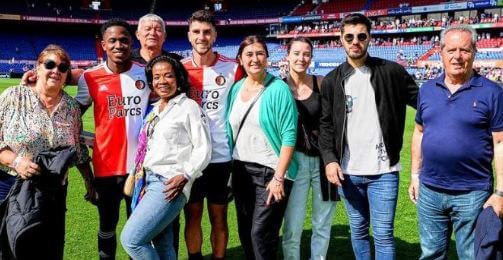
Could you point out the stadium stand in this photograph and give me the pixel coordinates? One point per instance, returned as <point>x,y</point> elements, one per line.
<point>340,6</point>
<point>382,4</point>
<point>303,9</point>
<point>18,49</point>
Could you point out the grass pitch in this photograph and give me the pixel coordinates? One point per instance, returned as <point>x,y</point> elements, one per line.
<point>82,217</point>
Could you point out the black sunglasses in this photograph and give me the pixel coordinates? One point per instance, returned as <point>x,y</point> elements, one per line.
<point>62,67</point>
<point>350,37</point>
<point>151,126</point>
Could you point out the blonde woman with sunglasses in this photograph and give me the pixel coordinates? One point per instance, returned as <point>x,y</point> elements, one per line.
<point>37,119</point>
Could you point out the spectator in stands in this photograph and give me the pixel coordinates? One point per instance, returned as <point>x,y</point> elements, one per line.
<point>34,120</point>
<point>361,133</point>
<point>306,91</point>
<point>262,124</point>
<point>211,76</point>
<point>151,33</point>
<point>120,96</point>
<point>451,170</point>
<point>177,161</point>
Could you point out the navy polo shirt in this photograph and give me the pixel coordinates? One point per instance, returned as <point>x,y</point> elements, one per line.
<point>457,144</point>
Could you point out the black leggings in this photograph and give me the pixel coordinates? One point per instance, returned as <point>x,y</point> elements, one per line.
<point>110,194</point>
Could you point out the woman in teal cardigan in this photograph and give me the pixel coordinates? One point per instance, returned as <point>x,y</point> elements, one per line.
<point>262,127</point>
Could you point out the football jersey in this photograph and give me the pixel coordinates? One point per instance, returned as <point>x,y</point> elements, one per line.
<point>210,87</point>
<point>120,103</point>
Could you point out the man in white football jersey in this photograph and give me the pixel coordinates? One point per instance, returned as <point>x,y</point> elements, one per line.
<point>211,76</point>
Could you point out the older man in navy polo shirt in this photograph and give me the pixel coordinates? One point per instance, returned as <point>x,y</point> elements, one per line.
<point>459,130</point>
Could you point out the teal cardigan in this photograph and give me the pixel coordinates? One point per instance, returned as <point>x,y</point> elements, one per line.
<point>277,117</point>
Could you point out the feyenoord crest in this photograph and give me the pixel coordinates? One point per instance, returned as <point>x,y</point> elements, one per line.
<point>139,84</point>
<point>220,80</point>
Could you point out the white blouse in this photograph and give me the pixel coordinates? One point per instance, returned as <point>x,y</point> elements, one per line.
<point>180,142</point>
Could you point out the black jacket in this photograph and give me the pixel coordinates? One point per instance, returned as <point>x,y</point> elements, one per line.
<point>32,223</point>
<point>394,88</point>
<point>488,236</point>
<point>136,56</point>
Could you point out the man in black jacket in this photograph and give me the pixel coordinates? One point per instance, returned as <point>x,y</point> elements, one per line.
<point>361,132</point>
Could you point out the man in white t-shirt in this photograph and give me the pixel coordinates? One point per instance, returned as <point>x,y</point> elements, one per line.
<point>211,76</point>
<point>363,116</point>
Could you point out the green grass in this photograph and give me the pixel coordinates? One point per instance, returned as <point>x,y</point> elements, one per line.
<point>82,217</point>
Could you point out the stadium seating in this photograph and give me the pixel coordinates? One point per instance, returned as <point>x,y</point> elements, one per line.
<point>303,8</point>
<point>383,4</point>
<point>27,46</point>
<point>490,43</point>
<point>486,55</point>
<point>340,6</point>
<point>252,10</point>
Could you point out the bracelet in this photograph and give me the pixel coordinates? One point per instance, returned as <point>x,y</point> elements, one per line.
<point>14,163</point>
<point>414,174</point>
<point>498,193</point>
<point>278,179</point>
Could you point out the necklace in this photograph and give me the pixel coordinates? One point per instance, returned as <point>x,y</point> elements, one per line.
<point>251,89</point>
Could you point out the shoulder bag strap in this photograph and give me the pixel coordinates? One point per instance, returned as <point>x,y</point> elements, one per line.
<point>246,115</point>
<point>248,111</point>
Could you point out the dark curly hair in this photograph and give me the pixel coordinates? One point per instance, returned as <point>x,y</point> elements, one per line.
<point>181,75</point>
<point>115,22</point>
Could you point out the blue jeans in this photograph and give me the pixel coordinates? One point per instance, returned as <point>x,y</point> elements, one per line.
<point>322,211</point>
<point>148,233</point>
<point>371,199</point>
<point>440,212</point>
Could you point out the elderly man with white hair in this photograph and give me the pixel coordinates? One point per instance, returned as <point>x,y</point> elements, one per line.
<point>458,133</point>
<point>151,33</point>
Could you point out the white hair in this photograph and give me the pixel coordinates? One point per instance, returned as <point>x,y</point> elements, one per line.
<point>460,28</point>
<point>152,18</point>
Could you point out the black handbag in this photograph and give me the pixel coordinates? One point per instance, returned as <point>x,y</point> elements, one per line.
<point>309,144</point>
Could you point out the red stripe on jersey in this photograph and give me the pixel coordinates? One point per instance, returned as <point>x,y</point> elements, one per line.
<point>110,146</point>
<point>196,81</point>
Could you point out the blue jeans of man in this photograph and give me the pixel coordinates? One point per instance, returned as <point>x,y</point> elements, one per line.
<point>371,199</point>
<point>308,176</point>
<point>148,233</point>
<point>440,212</point>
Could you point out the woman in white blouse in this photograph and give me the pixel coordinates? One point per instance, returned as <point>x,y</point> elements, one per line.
<point>178,148</point>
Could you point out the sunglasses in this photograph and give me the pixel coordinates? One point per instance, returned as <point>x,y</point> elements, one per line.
<point>350,37</point>
<point>62,67</point>
<point>151,126</point>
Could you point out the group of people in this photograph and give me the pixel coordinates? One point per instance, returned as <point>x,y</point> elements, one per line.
<point>185,126</point>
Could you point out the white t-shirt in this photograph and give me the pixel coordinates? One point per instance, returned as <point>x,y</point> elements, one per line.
<point>252,144</point>
<point>365,152</point>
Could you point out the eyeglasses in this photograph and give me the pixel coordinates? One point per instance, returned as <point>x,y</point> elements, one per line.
<point>350,37</point>
<point>151,125</point>
<point>62,67</point>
